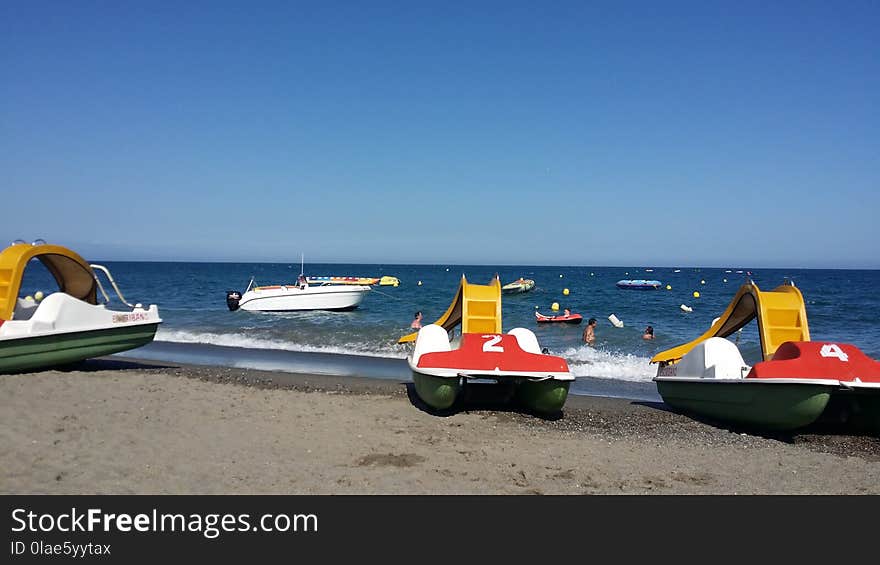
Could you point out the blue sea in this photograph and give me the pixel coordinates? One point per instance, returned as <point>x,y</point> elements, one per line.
<point>842,305</point>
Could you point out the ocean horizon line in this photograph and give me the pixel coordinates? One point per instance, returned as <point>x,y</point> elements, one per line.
<point>490,265</point>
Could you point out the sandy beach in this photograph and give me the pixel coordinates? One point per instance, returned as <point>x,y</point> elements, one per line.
<point>119,426</point>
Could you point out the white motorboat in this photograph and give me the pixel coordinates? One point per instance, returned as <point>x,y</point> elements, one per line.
<point>299,296</point>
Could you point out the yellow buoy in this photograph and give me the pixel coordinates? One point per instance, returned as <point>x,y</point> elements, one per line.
<point>38,295</point>
<point>29,298</point>
<point>669,287</point>
<point>554,306</point>
<point>696,294</point>
<point>565,291</point>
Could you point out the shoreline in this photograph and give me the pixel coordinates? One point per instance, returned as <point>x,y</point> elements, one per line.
<point>115,425</point>
<point>346,365</point>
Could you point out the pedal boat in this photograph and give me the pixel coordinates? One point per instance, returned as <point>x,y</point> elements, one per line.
<point>795,384</point>
<point>69,325</point>
<point>440,372</point>
<point>713,381</point>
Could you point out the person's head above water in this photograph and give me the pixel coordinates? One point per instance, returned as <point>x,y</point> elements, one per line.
<point>591,322</point>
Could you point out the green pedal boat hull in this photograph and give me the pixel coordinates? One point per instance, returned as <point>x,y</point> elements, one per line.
<point>440,393</point>
<point>769,406</point>
<point>437,392</point>
<point>29,353</point>
<point>546,397</point>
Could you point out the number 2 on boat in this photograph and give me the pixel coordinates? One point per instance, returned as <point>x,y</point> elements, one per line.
<point>490,346</point>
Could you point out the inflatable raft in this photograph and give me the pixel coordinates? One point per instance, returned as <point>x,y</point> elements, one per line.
<point>570,319</point>
<point>368,281</point>
<point>639,284</point>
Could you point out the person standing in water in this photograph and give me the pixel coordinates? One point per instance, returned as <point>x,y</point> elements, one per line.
<point>590,332</point>
<point>417,321</point>
<point>649,333</point>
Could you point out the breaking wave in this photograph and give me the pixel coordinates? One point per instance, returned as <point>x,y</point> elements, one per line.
<point>586,361</point>
<point>251,342</point>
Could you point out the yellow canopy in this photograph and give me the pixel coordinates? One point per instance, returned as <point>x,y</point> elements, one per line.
<point>72,273</point>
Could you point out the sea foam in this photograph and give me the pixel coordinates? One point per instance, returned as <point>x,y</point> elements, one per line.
<point>251,342</point>
<point>586,361</point>
<point>583,361</point>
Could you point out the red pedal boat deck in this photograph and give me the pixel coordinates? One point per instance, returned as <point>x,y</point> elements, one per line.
<point>492,355</point>
<point>820,360</point>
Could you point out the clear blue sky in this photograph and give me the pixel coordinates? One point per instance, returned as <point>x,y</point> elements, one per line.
<point>613,133</point>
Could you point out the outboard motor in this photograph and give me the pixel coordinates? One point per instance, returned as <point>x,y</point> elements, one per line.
<point>232,298</point>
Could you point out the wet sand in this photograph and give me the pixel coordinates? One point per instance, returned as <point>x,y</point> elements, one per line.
<point>119,426</point>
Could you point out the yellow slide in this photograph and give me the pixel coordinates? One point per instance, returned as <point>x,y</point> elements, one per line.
<point>781,315</point>
<point>477,307</point>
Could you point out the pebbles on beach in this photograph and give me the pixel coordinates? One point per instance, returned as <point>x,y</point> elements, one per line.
<point>114,426</point>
